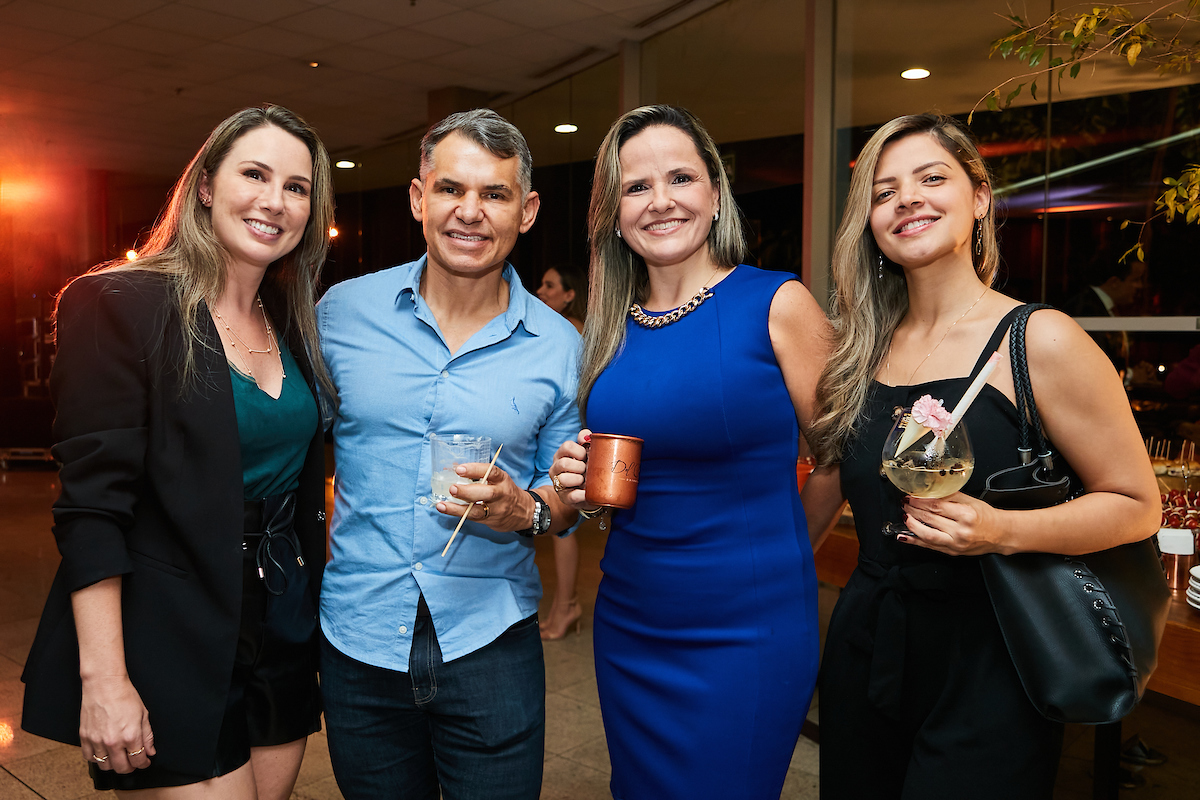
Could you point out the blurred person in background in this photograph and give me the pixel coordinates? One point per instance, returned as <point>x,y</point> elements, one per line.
<point>563,289</point>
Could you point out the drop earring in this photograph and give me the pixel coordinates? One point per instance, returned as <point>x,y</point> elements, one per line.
<point>979,238</point>
<point>717,215</point>
<point>619,236</point>
<point>879,271</point>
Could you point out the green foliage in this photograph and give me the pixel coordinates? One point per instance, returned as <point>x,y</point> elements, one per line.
<point>1183,197</point>
<point>1137,32</point>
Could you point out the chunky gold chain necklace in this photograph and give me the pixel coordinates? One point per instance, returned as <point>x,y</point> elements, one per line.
<point>647,321</point>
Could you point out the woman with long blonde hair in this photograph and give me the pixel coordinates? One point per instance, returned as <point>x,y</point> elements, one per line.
<point>915,675</point>
<point>705,621</point>
<point>178,644</point>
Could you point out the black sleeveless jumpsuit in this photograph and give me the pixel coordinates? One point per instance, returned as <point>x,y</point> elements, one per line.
<point>919,699</point>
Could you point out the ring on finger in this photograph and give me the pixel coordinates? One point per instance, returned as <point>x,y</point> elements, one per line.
<point>137,752</point>
<point>99,759</point>
<point>485,508</point>
<point>557,481</point>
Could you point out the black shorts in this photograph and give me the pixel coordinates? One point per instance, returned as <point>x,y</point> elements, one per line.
<point>273,696</point>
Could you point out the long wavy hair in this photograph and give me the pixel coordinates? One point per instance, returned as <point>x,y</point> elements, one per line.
<point>619,276</point>
<point>867,308</point>
<point>183,246</point>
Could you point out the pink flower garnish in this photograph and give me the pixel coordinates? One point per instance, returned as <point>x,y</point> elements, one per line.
<point>932,414</point>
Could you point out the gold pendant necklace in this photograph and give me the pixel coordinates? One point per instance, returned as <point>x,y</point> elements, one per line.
<point>936,346</point>
<point>272,342</point>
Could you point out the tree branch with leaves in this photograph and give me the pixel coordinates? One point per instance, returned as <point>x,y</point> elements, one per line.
<point>1139,32</point>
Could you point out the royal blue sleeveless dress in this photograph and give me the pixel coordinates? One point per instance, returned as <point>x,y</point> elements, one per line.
<point>706,618</point>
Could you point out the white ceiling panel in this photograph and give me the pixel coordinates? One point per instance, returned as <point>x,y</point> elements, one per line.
<point>541,48</point>
<point>260,11</point>
<point>281,42</point>
<point>33,40</point>
<point>193,21</point>
<point>425,76</point>
<point>31,14</point>
<point>357,59</point>
<point>157,74</point>
<point>340,26</point>
<point>470,27</point>
<point>409,44</point>
<point>73,68</point>
<point>396,12</point>
<point>538,13</point>
<point>113,9</point>
<point>149,40</point>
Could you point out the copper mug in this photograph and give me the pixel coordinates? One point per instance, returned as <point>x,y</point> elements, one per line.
<point>1178,568</point>
<point>614,463</point>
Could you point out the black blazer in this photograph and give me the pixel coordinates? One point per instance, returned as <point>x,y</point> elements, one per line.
<point>152,491</point>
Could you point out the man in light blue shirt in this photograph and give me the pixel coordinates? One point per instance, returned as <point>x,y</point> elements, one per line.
<point>432,670</point>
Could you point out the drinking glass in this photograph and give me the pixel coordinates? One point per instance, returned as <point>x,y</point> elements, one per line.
<point>448,451</point>
<point>931,466</point>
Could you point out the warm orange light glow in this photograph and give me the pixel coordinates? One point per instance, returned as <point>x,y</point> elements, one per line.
<point>1080,207</point>
<point>6,734</point>
<point>22,191</point>
<point>333,232</point>
<point>130,255</point>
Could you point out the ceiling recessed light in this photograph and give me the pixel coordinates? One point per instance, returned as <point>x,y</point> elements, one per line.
<point>566,127</point>
<point>314,63</point>
<point>345,165</point>
<point>915,74</point>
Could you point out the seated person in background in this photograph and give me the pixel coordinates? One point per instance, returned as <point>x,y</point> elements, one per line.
<point>1121,283</point>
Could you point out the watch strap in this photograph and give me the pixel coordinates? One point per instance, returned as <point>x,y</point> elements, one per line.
<point>541,516</point>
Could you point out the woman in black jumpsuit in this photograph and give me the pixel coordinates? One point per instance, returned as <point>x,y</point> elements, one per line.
<point>919,699</point>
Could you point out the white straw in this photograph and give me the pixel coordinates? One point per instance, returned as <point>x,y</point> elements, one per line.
<point>938,446</point>
<point>972,392</point>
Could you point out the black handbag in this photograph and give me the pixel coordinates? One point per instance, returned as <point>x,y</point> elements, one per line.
<point>1083,631</point>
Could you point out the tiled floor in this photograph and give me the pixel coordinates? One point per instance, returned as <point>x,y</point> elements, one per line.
<point>576,757</point>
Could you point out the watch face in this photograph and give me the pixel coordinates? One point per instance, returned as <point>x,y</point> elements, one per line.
<point>541,515</point>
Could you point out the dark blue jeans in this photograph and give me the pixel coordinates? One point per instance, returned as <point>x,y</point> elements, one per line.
<point>474,727</point>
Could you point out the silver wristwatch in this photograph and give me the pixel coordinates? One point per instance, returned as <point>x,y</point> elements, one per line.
<point>541,516</point>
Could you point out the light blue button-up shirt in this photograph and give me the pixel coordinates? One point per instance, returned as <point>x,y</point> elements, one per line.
<point>397,383</point>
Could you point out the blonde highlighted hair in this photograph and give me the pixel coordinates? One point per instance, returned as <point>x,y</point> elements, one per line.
<point>618,275</point>
<point>866,308</point>
<point>183,246</point>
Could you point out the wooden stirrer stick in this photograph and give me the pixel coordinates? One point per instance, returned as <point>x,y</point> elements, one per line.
<point>468,508</point>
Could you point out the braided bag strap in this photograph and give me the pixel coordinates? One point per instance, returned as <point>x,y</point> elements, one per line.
<point>1026,407</point>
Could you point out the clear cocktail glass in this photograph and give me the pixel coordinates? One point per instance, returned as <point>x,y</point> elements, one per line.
<point>926,465</point>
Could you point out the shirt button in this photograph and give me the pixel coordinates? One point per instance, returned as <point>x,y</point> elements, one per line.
<point>445,373</point>
<point>404,629</point>
<point>418,565</point>
<point>424,500</point>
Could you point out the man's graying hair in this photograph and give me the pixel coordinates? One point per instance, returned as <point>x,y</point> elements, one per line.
<point>490,131</point>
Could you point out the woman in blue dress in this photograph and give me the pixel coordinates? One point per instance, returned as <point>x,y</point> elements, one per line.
<point>705,621</point>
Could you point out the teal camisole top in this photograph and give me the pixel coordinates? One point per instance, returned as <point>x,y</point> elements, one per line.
<point>274,433</point>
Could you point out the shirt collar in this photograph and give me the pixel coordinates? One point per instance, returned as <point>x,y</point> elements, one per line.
<point>1106,299</point>
<point>519,300</point>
